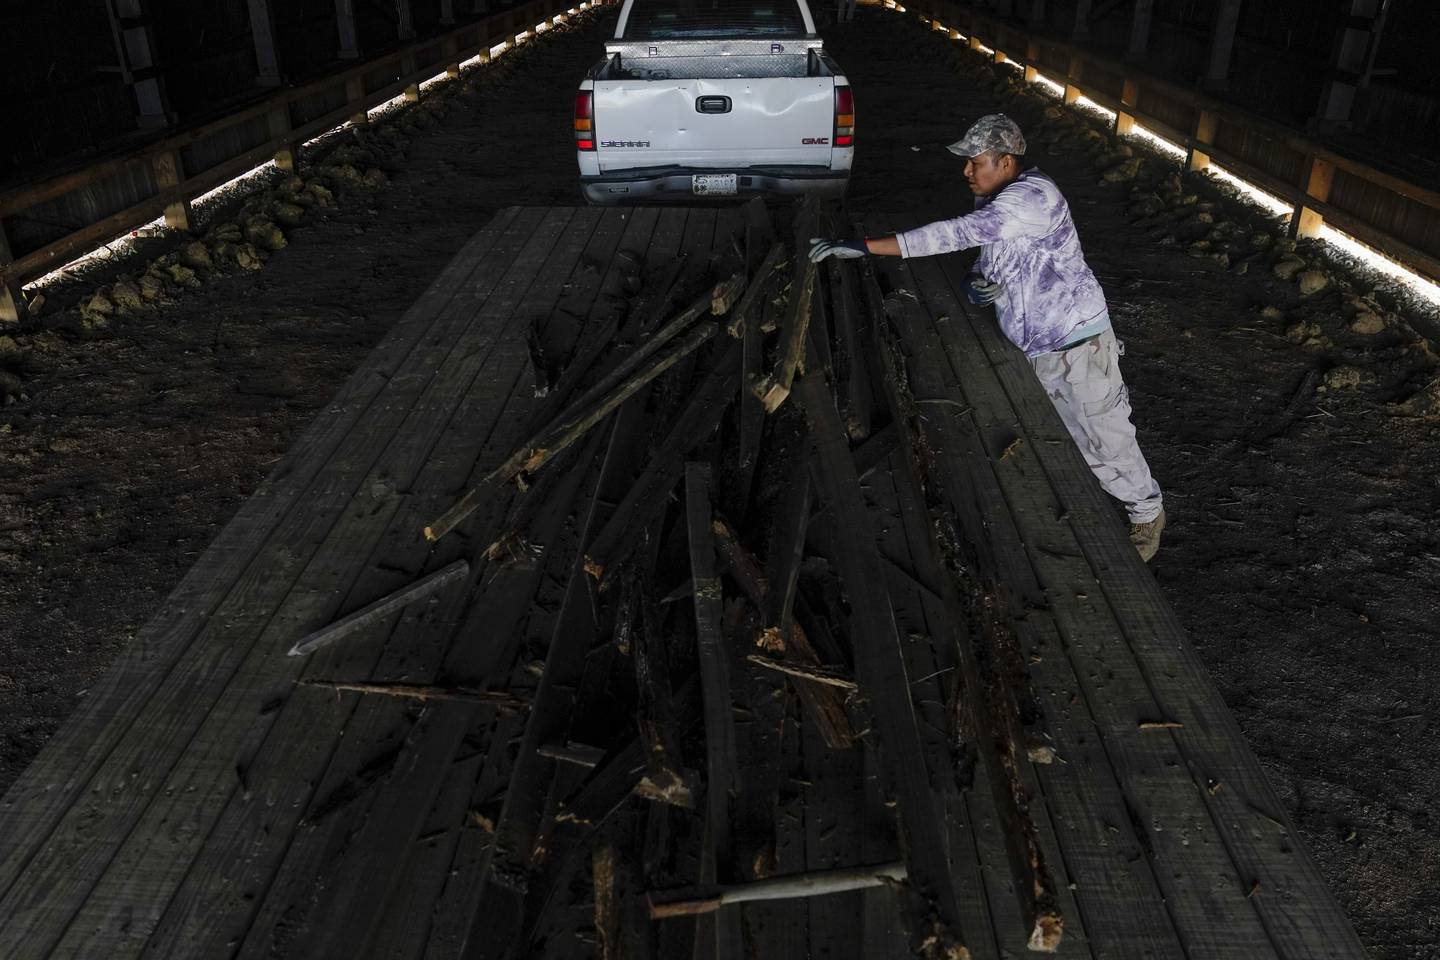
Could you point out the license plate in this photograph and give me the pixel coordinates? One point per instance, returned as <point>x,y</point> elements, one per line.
<point>715,184</point>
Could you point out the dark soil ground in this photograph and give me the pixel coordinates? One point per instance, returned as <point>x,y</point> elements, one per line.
<point>1302,550</point>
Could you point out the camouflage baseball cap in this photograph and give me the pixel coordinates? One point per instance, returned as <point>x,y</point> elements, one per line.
<point>993,132</point>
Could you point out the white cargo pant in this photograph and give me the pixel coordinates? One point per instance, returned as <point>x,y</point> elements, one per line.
<point>1084,384</point>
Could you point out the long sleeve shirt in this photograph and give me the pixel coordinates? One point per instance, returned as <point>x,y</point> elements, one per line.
<point>1028,244</point>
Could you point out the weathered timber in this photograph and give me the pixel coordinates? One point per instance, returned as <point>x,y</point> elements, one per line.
<point>650,492</point>
<point>744,314</point>
<point>533,455</point>
<point>379,610</point>
<point>853,377</point>
<point>989,693</point>
<point>664,775</point>
<point>933,915</point>
<point>424,691</point>
<point>188,730</point>
<point>828,677</point>
<point>244,560</point>
<point>1148,654</point>
<point>719,936</point>
<point>817,883</point>
<point>773,390</point>
<point>824,706</point>
<point>392,804</point>
<point>787,547</point>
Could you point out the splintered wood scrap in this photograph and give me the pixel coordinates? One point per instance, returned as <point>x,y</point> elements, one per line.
<point>775,388</point>
<point>381,609</point>
<point>815,883</point>
<point>419,691</point>
<point>742,317</point>
<point>816,674</point>
<point>604,862</point>
<point>1160,725</point>
<point>726,294</point>
<point>572,426</point>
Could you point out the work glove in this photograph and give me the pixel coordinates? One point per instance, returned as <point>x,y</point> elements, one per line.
<point>980,291</point>
<point>821,248</point>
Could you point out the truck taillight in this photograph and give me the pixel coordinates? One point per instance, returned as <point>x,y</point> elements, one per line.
<point>585,120</point>
<point>844,117</point>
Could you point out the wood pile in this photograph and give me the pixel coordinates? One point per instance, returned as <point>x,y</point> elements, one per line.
<point>726,571</point>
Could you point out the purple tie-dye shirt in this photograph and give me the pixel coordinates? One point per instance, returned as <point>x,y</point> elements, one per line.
<point>1028,244</point>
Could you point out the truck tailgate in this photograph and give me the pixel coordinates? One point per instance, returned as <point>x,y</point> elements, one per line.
<point>759,122</point>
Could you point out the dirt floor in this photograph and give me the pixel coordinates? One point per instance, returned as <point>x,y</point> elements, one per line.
<point>1301,551</point>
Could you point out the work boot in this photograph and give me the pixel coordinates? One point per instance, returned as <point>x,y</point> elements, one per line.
<point>1146,536</point>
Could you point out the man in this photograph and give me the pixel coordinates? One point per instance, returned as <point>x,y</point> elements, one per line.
<point>1048,302</point>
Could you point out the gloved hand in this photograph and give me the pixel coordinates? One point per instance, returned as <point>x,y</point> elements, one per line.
<point>980,291</point>
<point>821,248</point>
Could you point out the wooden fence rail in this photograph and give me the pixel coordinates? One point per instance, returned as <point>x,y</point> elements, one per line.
<point>117,194</point>
<point>1399,218</point>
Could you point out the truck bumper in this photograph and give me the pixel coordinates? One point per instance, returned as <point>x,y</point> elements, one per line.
<point>673,185</point>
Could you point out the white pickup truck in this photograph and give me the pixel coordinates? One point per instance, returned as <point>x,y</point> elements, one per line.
<point>713,98</point>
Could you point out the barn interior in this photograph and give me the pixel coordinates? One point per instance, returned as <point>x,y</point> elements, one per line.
<point>405,558</point>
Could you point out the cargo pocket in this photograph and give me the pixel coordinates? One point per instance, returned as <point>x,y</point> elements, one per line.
<point>1100,396</point>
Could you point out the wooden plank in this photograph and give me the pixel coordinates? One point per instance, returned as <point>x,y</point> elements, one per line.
<point>461,897</point>
<point>1300,917</point>
<point>63,772</point>
<point>882,936</point>
<point>403,932</point>
<point>787,546</point>
<point>498,915</point>
<point>208,711</point>
<point>834,814</point>
<point>880,668</point>
<point>387,815</point>
<point>720,765</point>
<point>988,693</point>
<point>1194,871</point>
<point>259,826</point>
<point>782,928</point>
<point>1101,851</point>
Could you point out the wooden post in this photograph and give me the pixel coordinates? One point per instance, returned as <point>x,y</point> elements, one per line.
<point>1352,62</point>
<point>262,30</point>
<point>1129,97</point>
<point>280,131</point>
<point>954,34</point>
<point>169,174</point>
<point>1000,56</point>
<point>349,33</point>
<point>450,50</point>
<point>12,300</point>
<point>1222,41</point>
<point>1140,30</point>
<point>404,20</point>
<point>1081,28</point>
<point>1032,57</point>
<point>1319,176</point>
<point>1073,74</point>
<point>1205,123</point>
<point>355,94</point>
<point>135,48</point>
